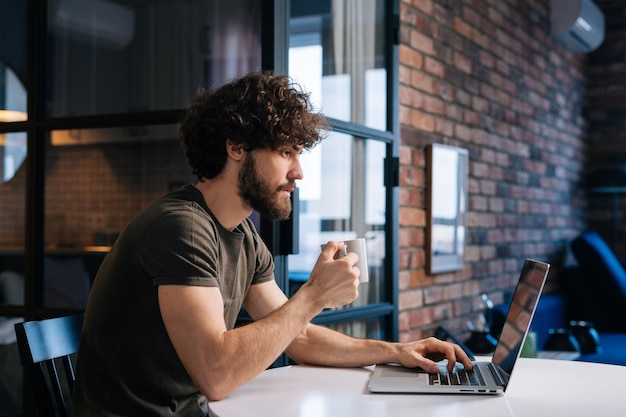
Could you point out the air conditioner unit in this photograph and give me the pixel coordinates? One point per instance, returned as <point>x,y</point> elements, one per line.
<point>578,24</point>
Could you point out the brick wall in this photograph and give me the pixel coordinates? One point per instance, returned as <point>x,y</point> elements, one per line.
<point>485,75</point>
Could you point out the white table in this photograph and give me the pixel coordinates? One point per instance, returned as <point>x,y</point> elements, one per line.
<point>539,387</point>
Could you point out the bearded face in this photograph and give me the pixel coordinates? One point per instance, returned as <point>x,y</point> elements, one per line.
<point>256,192</point>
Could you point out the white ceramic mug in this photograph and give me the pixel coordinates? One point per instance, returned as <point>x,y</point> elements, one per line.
<point>356,246</point>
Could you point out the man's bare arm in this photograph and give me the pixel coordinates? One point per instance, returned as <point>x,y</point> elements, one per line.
<point>336,349</point>
<point>318,345</point>
<point>220,360</point>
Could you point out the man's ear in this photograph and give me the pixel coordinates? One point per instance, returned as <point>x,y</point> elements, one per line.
<point>235,150</point>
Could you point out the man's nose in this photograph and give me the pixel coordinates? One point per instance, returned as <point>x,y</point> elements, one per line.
<point>296,172</point>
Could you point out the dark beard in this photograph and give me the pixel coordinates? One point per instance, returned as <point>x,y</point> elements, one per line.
<point>259,195</point>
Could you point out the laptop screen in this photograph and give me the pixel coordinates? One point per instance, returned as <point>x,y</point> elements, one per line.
<point>520,314</point>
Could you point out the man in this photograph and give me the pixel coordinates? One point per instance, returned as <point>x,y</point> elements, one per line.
<point>159,335</point>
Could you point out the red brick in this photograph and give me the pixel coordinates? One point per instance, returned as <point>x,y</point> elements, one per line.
<point>422,82</point>
<point>434,67</point>
<point>462,63</point>
<point>412,217</point>
<point>410,57</point>
<point>422,120</point>
<point>411,299</point>
<point>425,6</point>
<point>422,43</point>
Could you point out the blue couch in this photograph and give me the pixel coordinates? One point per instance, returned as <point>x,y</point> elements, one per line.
<point>594,291</point>
<point>553,313</point>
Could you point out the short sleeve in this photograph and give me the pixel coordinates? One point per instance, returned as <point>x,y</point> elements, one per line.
<point>180,247</point>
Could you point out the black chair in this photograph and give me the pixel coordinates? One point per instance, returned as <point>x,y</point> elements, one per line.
<point>46,351</point>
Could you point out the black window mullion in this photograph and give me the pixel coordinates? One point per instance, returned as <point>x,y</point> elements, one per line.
<point>392,165</point>
<point>33,293</point>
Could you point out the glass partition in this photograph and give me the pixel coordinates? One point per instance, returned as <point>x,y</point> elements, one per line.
<point>96,181</point>
<point>12,278</point>
<point>12,223</point>
<point>13,194</point>
<point>131,56</point>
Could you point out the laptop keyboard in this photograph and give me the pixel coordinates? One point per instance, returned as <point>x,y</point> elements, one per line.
<point>458,376</point>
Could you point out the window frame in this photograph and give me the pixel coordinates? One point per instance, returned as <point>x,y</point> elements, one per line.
<point>387,310</point>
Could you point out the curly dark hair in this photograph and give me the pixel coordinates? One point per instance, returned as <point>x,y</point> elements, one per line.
<point>260,111</point>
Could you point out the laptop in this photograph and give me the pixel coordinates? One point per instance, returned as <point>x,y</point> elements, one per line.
<point>486,377</point>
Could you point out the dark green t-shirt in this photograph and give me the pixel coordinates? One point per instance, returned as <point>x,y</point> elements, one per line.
<point>126,362</point>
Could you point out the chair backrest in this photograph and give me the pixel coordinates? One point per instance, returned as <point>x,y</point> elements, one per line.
<point>602,282</point>
<point>46,348</point>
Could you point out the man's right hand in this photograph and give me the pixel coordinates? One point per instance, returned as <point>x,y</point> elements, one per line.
<point>333,282</point>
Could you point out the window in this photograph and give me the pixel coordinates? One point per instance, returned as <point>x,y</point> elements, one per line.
<point>337,52</point>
